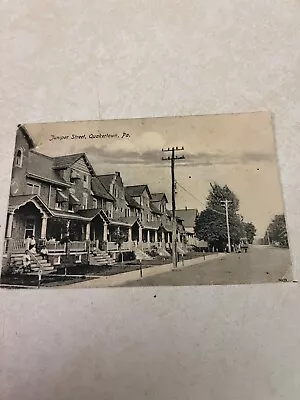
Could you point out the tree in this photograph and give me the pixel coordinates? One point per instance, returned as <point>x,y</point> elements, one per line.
<point>277,231</point>
<point>119,237</point>
<point>210,224</point>
<point>250,231</point>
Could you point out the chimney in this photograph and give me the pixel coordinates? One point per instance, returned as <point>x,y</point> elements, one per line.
<point>185,208</point>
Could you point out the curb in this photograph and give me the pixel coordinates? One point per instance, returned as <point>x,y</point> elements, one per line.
<point>125,277</point>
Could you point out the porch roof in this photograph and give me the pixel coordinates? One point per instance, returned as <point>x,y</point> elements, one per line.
<point>130,220</point>
<point>15,202</point>
<point>121,222</point>
<point>91,213</point>
<point>152,225</point>
<point>68,215</point>
<point>168,227</point>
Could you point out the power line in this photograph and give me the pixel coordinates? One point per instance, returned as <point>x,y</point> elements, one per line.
<point>210,208</point>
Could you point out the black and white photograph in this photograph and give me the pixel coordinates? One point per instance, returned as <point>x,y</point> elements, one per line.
<point>166,201</point>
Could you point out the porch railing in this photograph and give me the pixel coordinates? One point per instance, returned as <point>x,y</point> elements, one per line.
<point>55,247</point>
<point>77,246</point>
<point>112,246</point>
<point>127,246</point>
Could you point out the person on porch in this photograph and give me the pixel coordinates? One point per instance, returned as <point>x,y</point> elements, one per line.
<point>27,242</point>
<point>27,261</point>
<point>32,245</point>
<point>44,253</point>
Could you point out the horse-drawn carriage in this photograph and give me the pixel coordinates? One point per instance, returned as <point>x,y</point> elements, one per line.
<point>244,245</point>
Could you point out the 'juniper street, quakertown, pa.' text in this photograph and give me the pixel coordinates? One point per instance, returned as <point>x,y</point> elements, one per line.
<point>124,135</point>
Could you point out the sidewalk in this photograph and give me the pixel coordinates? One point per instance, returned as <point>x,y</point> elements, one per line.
<point>125,277</point>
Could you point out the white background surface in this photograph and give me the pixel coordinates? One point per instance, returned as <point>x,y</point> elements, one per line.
<point>152,59</point>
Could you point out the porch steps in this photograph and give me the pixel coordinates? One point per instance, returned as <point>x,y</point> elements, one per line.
<point>101,258</point>
<point>181,250</point>
<point>163,252</point>
<point>17,260</point>
<point>141,255</point>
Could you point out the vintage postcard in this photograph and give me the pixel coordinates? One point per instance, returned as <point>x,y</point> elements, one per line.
<point>193,200</point>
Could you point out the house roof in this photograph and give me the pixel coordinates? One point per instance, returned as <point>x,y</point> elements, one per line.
<point>154,209</point>
<point>100,190</point>
<point>169,213</point>
<point>25,133</point>
<point>106,180</point>
<point>159,197</point>
<point>188,216</point>
<point>62,162</point>
<point>131,202</point>
<point>137,190</point>
<point>41,167</point>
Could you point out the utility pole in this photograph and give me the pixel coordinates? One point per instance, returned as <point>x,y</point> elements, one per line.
<point>173,158</point>
<point>226,202</point>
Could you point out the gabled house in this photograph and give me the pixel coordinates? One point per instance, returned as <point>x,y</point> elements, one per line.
<point>50,197</point>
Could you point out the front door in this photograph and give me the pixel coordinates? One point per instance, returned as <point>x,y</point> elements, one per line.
<point>30,226</point>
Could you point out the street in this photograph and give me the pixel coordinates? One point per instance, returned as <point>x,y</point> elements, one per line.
<point>261,264</point>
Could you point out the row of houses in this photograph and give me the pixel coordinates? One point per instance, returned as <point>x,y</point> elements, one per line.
<point>56,197</point>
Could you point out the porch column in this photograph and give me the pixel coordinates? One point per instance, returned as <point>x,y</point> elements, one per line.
<point>148,236</point>
<point>130,235</point>
<point>9,225</point>
<point>44,227</point>
<point>140,234</point>
<point>88,231</point>
<point>155,236</point>
<point>105,232</point>
<point>163,239</point>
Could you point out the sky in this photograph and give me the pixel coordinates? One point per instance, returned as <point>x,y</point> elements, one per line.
<point>237,150</point>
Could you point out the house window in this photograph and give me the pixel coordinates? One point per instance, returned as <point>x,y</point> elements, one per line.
<point>142,201</point>
<point>85,201</point>
<point>33,188</point>
<point>85,181</point>
<point>115,191</point>
<point>58,206</point>
<point>71,207</point>
<point>127,212</point>
<point>121,209</point>
<point>19,158</point>
<point>78,259</point>
<point>95,203</point>
<point>147,217</point>
<point>29,227</point>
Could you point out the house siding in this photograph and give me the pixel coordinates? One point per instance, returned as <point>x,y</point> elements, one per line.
<point>19,174</point>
